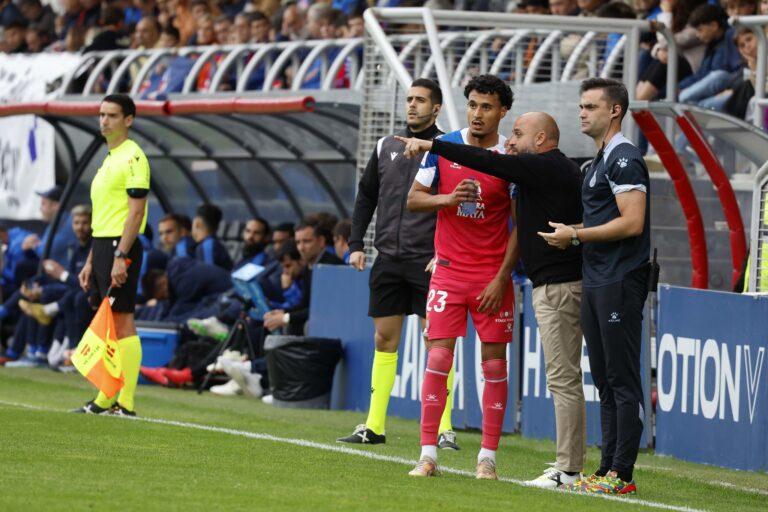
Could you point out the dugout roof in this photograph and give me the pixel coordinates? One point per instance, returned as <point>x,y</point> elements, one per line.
<point>276,158</point>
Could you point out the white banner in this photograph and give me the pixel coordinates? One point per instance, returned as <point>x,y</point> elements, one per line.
<point>27,143</point>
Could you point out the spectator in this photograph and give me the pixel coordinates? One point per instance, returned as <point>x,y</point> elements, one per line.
<point>139,10</point>
<point>292,22</point>
<point>564,7</point>
<point>740,8</point>
<point>200,8</point>
<point>14,37</point>
<point>209,249</point>
<point>169,37</point>
<point>648,9</point>
<point>653,79</point>
<point>255,240</point>
<point>590,7</point>
<point>242,28</point>
<point>42,17</point>
<point>260,27</point>
<point>112,36</point>
<point>349,7</point>
<point>616,9</point>
<point>9,13</point>
<point>738,101</point>
<point>721,59</point>
<point>536,6</point>
<point>355,24</point>
<point>232,8</point>
<point>147,33</point>
<point>318,17</point>
<point>223,29</point>
<point>37,39</point>
<point>341,234</point>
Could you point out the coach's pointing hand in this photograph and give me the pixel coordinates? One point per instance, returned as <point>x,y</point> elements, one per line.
<point>414,146</point>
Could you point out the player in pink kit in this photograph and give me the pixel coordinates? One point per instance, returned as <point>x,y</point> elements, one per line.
<point>474,256</point>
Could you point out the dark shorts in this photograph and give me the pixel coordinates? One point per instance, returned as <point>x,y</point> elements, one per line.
<point>101,277</point>
<point>398,287</point>
<point>656,73</point>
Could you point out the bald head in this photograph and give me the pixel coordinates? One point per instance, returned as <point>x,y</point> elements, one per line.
<point>534,132</point>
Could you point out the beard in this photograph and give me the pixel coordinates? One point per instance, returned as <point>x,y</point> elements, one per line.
<point>251,250</point>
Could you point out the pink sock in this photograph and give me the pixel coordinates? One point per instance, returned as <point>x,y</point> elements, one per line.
<point>494,401</point>
<point>434,393</point>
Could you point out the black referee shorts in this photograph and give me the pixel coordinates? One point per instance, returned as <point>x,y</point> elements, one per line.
<point>398,287</point>
<point>101,277</point>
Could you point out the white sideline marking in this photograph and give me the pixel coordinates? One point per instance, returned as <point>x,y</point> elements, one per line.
<point>352,451</point>
<point>719,483</point>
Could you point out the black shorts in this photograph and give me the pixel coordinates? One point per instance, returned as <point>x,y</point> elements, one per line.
<point>101,277</point>
<point>656,73</point>
<point>398,287</point>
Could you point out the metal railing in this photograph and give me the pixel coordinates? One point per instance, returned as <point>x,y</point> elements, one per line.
<point>523,49</point>
<point>239,68</point>
<point>758,258</point>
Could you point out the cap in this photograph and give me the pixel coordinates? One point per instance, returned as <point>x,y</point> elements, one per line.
<point>54,193</point>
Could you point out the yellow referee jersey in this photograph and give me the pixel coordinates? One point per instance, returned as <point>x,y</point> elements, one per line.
<point>125,167</point>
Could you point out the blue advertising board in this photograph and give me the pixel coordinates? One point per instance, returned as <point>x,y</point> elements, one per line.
<point>711,377</point>
<point>339,308</point>
<point>537,418</point>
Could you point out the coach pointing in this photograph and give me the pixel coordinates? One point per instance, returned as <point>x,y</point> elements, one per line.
<point>548,186</point>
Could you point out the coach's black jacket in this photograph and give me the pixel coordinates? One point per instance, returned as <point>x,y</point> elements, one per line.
<point>548,189</point>
<point>400,234</point>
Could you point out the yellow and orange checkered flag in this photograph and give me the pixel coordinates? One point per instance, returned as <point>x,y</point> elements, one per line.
<point>97,356</point>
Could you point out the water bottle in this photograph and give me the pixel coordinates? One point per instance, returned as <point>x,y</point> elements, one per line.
<point>468,208</point>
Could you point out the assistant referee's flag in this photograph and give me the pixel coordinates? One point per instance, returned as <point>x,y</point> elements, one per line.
<point>97,356</point>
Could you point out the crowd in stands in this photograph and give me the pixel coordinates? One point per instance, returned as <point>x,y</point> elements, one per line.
<point>187,280</point>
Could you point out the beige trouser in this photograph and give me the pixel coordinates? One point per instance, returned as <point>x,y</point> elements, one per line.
<point>557,313</point>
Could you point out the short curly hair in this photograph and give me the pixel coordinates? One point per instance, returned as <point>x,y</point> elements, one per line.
<point>491,84</point>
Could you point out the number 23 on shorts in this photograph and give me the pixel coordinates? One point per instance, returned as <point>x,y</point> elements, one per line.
<point>436,300</point>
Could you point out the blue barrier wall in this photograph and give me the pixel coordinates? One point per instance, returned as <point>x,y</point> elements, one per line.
<point>711,379</point>
<point>339,310</point>
<point>537,417</point>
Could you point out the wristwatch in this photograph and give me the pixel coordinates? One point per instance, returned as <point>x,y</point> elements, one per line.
<point>575,237</point>
<point>120,254</point>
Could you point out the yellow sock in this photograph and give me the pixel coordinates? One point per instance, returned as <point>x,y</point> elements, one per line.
<point>445,421</point>
<point>103,401</point>
<point>130,356</point>
<point>382,380</point>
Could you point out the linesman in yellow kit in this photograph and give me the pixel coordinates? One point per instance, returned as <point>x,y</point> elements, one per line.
<point>119,194</point>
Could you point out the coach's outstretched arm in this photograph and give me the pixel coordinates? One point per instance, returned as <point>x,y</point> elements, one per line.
<point>421,198</point>
<point>522,169</point>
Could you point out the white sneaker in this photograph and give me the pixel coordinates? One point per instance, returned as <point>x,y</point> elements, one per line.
<point>267,399</point>
<point>240,372</point>
<point>552,479</point>
<point>56,353</point>
<point>231,388</point>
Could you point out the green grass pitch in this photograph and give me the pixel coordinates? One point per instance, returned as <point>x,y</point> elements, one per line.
<point>213,453</point>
